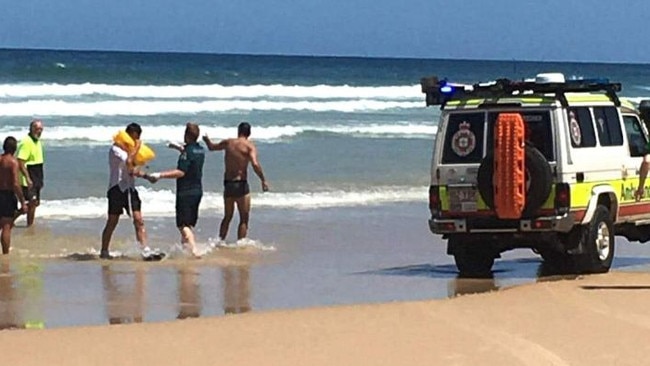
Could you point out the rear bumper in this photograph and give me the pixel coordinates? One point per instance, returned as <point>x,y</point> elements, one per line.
<point>562,224</point>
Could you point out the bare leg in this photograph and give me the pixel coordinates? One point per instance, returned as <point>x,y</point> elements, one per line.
<point>140,232</point>
<point>228,210</point>
<point>107,233</point>
<point>31,211</point>
<point>5,225</point>
<point>244,207</point>
<point>187,238</point>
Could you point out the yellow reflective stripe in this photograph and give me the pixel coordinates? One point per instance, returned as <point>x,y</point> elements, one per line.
<point>459,102</point>
<point>523,100</point>
<point>624,189</point>
<point>480,204</point>
<point>539,100</point>
<point>628,104</point>
<point>580,194</point>
<point>584,98</point>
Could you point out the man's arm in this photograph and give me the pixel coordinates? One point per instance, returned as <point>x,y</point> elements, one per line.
<point>179,172</point>
<point>212,146</point>
<point>130,160</point>
<point>257,167</point>
<point>643,173</point>
<point>18,189</point>
<point>22,154</point>
<point>167,174</point>
<point>126,157</point>
<point>176,146</point>
<point>22,167</point>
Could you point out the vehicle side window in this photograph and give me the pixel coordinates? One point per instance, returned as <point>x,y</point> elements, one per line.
<point>608,125</point>
<point>464,138</point>
<point>635,138</point>
<point>581,128</point>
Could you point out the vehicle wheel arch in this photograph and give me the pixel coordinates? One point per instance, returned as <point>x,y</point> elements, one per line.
<point>602,195</point>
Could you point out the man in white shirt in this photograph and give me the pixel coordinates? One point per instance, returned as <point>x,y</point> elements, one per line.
<point>122,195</point>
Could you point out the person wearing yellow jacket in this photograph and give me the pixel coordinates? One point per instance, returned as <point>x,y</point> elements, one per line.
<point>31,159</point>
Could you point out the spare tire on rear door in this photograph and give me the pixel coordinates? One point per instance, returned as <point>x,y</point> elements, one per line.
<point>539,180</point>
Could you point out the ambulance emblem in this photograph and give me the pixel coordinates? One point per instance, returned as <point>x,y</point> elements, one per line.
<point>574,126</point>
<point>463,142</point>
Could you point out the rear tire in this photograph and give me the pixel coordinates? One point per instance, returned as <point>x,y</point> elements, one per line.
<point>538,173</point>
<point>473,260</point>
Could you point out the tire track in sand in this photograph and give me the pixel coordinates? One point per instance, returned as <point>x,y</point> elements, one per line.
<point>527,352</point>
<point>575,299</point>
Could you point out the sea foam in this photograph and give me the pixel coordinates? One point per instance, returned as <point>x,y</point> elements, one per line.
<point>160,203</point>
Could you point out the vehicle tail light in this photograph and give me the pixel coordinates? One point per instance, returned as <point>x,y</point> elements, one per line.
<point>562,198</point>
<point>434,200</point>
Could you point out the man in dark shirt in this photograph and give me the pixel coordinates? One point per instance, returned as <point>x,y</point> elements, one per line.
<point>189,190</point>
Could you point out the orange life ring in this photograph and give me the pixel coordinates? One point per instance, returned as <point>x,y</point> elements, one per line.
<point>509,166</point>
<point>144,155</point>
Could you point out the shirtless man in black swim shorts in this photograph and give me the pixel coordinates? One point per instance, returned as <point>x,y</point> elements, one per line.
<point>238,153</point>
<point>11,192</point>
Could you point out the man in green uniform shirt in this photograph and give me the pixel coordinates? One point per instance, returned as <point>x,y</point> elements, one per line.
<point>30,157</point>
<point>189,188</point>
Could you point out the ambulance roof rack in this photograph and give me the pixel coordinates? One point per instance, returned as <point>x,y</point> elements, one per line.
<point>440,91</point>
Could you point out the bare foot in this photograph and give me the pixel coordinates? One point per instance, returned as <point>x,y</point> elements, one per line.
<point>104,254</point>
<point>192,249</point>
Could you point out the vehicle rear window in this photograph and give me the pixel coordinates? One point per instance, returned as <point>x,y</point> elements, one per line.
<point>464,138</point>
<point>538,131</point>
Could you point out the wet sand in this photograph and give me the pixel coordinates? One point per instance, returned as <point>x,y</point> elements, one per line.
<point>346,286</point>
<point>328,257</point>
<point>594,320</point>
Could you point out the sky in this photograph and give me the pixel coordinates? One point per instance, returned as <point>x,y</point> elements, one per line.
<point>534,30</point>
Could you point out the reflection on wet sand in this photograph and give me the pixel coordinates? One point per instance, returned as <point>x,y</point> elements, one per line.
<point>465,286</point>
<point>124,293</point>
<point>236,289</point>
<point>189,293</point>
<point>10,303</point>
<point>21,292</point>
<point>125,290</point>
<point>235,286</point>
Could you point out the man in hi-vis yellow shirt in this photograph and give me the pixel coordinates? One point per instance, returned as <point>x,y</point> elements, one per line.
<point>30,157</point>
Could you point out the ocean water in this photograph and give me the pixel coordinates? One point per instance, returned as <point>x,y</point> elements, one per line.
<point>331,132</point>
<point>344,142</point>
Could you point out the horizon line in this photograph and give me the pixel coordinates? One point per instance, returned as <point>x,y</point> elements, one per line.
<point>366,57</point>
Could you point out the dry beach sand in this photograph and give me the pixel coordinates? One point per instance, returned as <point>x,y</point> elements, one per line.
<point>591,320</point>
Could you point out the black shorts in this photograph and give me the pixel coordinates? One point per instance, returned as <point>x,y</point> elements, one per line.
<point>32,194</point>
<point>235,188</point>
<point>187,210</point>
<point>8,204</point>
<point>119,201</point>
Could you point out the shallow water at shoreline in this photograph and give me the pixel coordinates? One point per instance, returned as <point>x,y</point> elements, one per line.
<point>306,258</point>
